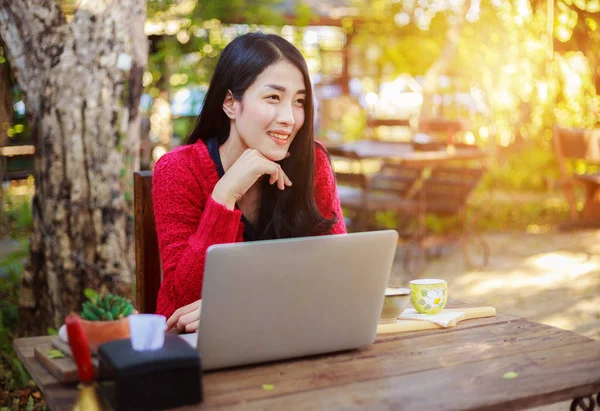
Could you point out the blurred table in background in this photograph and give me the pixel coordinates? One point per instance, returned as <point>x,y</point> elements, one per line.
<point>413,184</point>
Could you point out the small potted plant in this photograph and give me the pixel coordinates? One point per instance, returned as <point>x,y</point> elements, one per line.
<point>104,318</point>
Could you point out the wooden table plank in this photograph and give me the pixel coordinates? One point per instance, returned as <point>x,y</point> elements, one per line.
<point>370,149</point>
<point>56,395</point>
<point>25,350</point>
<point>383,361</point>
<point>544,377</point>
<point>370,371</point>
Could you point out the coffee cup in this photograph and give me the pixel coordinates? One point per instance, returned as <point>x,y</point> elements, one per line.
<point>428,295</point>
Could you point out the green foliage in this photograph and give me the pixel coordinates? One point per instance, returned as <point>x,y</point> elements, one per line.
<point>188,55</point>
<point>530,169</point>
<point>91,295</point>
<point>107,308</point>
<point>182,126</point>
<point>498,211</point>
<point>18,217</point>
<point>30,404</point>
<point>55,354</point>
<point>12,373</point>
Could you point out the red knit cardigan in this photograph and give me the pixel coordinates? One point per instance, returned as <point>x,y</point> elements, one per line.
<point>188,220</point>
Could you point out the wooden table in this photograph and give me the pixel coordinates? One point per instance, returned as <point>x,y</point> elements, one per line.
<point>460,368</point>
<point>405,152</point>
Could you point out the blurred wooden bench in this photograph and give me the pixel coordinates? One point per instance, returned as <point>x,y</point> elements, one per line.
<point>364,195</point>
<point>412,185</point>
<point>147,258</point>
<point>584,144</point>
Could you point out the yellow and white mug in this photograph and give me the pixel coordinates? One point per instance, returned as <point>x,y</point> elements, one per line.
<point>429,295</point>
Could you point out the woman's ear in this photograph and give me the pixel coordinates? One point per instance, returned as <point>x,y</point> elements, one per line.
<point>229,105</point>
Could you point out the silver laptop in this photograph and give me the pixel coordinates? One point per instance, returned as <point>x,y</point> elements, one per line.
<point>273,300</point>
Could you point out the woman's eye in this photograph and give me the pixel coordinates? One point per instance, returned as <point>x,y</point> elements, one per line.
<point>300,101</point>
<point>273,97</point>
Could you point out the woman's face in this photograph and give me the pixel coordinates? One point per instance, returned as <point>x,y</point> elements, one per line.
<point>271,111</point>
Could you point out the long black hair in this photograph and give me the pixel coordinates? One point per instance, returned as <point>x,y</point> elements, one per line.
<point>282,214</point>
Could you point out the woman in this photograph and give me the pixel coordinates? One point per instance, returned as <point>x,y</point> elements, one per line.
<point>250,170</point>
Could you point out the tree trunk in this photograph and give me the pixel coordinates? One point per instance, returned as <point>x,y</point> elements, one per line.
<point>81,79</point>
<point>440,66</point>
<point>6,112</point>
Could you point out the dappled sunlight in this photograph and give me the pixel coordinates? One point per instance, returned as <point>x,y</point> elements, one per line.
<point>478,348</point>
<point>544,271</point>
<point>552,278</point>
<point>589,306</point>
<point>570,318</point>
<point>471,348</point>
<point>555,260</point>
<point>559,320</point>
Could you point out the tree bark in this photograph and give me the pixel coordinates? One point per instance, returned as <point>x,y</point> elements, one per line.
<point>81,79</point>
<point>443,62</point>
<point>6,111</point>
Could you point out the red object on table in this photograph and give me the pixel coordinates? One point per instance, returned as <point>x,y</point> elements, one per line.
<point>80,348</point>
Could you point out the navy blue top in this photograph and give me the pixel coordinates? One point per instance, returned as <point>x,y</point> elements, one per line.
<point>213,149</point>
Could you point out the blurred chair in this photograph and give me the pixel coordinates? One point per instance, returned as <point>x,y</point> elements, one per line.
<point>147,258</point>
<point>584,144</point>
<point>447,192</point>
<point>365,195</point>
<point>449,127</point>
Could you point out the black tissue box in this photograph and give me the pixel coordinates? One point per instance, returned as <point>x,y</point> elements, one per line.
<point>150,380</point>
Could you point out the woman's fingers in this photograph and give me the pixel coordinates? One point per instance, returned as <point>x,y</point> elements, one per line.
<point>186,309</point>
<point>172,320</point>
<point>280,178</point>
<point>273,169</point>
<point>192,327</point>
<point>189,318</point>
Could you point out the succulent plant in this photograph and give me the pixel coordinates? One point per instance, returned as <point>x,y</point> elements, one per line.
<point>105,308</point>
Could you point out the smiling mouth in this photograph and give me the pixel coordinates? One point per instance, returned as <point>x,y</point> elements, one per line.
<point>280,137</point>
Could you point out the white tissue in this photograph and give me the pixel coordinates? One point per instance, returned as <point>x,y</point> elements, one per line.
<point>147,331</point>
<point>443,318</point>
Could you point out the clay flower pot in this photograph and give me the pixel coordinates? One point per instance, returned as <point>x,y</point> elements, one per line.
<point>99,332</point>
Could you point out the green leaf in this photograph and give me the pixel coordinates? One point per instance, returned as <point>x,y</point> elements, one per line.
<point>90,294</point>
<point>51,331</point>
<point>268,387</point>
<point>510,375</point>
<point>2,59</point>
<point>22,377</point>
<point>30,404</point>
<point>55,354</point>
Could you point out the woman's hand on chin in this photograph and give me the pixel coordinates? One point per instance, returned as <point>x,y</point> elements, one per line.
<point>185,319</point>
<point>242,175</point>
